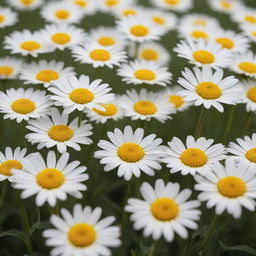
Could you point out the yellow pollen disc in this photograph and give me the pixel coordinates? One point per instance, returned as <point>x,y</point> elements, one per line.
<point>149,54</point>
<point>248,67</point>
<point>100,55</point>
<point>128,12</point>
<point>62,14</point>
<point>176,100</point>
<point>2,18</point>
<point>172,2</point>
<point>193,157</point>
<point>82,235</point>
<point>145,107</point>
<point>159,20</point>
<point>110,110</point>
<point>208,90</point>
<point>204,57</point>
<point>81,3</point>
<point>111,2</point>
<point>145,74</point>
<point>61,38</point>
<point>23,106</point>
<point>106,41</point>
<point>30,46</point>
<point>164,209</point>
<point>231,186</point>
<point>250,19</point>
<point>251,155</point>
<point>50,178</point>
<point>200,22</point>
<point>6,70</point>
<point>226,5</point>
<point>60,133</point>
<point>7,166</point>
<point>27,2</point>
<point>254,33</point>
<point>251,94</point>
<point>139,30</point>
<point>47,75</point>
<point>225,42</point>
<point>130,152</point>
<point>81,96</point>
<point>199,34</point>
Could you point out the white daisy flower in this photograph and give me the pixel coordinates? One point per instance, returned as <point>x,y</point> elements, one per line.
<point>7,17</point>
<point>130,152</point>
<point>44,72</point>
<point>209,88</point>
<point>196,32</point>
<point>50,180</point>
<point>25,5</point>
<point>145,105</point>
<point>197,156</point>
<point>56,130</point>
<point>128,10</point>
<point>228,187</point>
<point>113,5</point>
<point>23,104</point>
<point>99,56</point>
<point>174,5</point>
<point>11,160</point>
<point>249,94</point>
<point>79,93</point>
<point>89,7</point>
<point>82,233</point>
<point>245,16</point>
<point>164,210</point>
<point>26,43</point>
<point>144,72</point>
<point>250,31</point>
<point>10,67</point>
<point>202,53</point>
<point>225,6</point>
<point>61,12</point>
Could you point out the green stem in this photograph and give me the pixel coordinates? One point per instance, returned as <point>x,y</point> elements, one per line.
<point>136,49</point>
<point>200,123</point>
<point>23,133</point>
<point>247,123</point>
<point>153,249</point>
<point>229,124</point>
<point>55,209</point>
<point>80,116</point>
<point>3,191</point>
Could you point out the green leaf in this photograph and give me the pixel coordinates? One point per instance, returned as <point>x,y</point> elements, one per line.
<point>241,248</point>
<point>39,225</point>
<point>133,253</point>
<point>16,233</point>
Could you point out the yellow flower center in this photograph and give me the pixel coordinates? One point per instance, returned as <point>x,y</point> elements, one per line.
<point>6,70</point>
<point>204,57</point>
<point>62,14</point>
<point>199,34</point>
<point>50,178</point>
<point>130,152</point>
<point>208,90</point>
<point>193,157</point>
<point>30,46</point>
<point>27,2</point>
<point>60,133</point>
<point>106,41</point>
<point>139,30</point>
<point>251,155</point>
<point>47,75</point>
<point>81,96</point>
<point>81,3</point>
<point>231,186</point>
<point>110,110</point>
<point>164,209</point>
<point>2,18</point>
<point>150,54</point>
<point>226,5</point>
<point>145,107</point>
<point>82,235</point>
<point>250,19</point>
<point>7,166</point>
<point>248,67</point>
<point>61,38</point>
<point>145,74</point>
<point>254,33</point>
<point>225,42</point>
<point>200,22</point>
<point>159,20</point>
<point>111,2</point>
<point>251,94</point>
<point>172,2</point>
<point>23,106</point>
<point>176,100</point>
<point>128,12</point>
<point>100,55</point>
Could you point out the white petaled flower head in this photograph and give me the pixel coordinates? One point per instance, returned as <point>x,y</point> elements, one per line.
<point>23,104</point>
<point>250,31</point>
<point>44,72</point>
<point>99,56</point>
<point>174,5</point>
<point>145,105</point>
<point>225,6</point>
<point>25,5</point>
<point>62,36</point>
<point>164,211</point>
<point>128,10</point>
<point>89,7</point>
<point>244,16</point>
<point>11,160</point>
<point>201,53</point>
<point>62,12</point>
<point>10,67</point>
<point>7,17</point>
<point>113,5</point>
<point>79,93</point>
<point>228,187</point>
<point>197,156</point>
<point>130,152</point>
<point>208,87</point>
<point>56,130</point>
<point>82,233</point>
<point>144,72</point>
<point>249,94</point>
<point>50,180</point>
<point>26,43</point>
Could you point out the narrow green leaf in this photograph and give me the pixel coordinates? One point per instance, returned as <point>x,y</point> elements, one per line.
<point>241,248</point>
<point>40,225</point>
<point>16,233</point>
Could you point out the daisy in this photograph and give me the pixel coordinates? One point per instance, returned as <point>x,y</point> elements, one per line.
<point>56,130</point>
<point>82,233</point>
<point>225,6</point>
<point>10,67</point>
<point>128,10</point>
<point>26,43</point>
<point>245,16</point>
<point>113,5</point>
<point>79,93</point>
<point>197,156</point>
<point>130,152</point>
<point>202,53</point>
<point>196,32</point>
<point>61,12</point>
<point>44,72</point>
<point>11,160</point>
<point>89,7</point>
<point>145,105</point>
<point>249,94</point>
<point>144,72</point>
<point>228,188</point>
<point>250,31</point>
<point>7,17</point>
<point>174,5</point>
<point>164,210</point>
<point>25,5</point>
<point>23,104</point>
<point>209,88</point>
<point>50,180</point>
<point>99,56</point>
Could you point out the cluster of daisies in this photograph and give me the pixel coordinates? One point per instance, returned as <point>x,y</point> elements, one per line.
<point>59,108</point>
